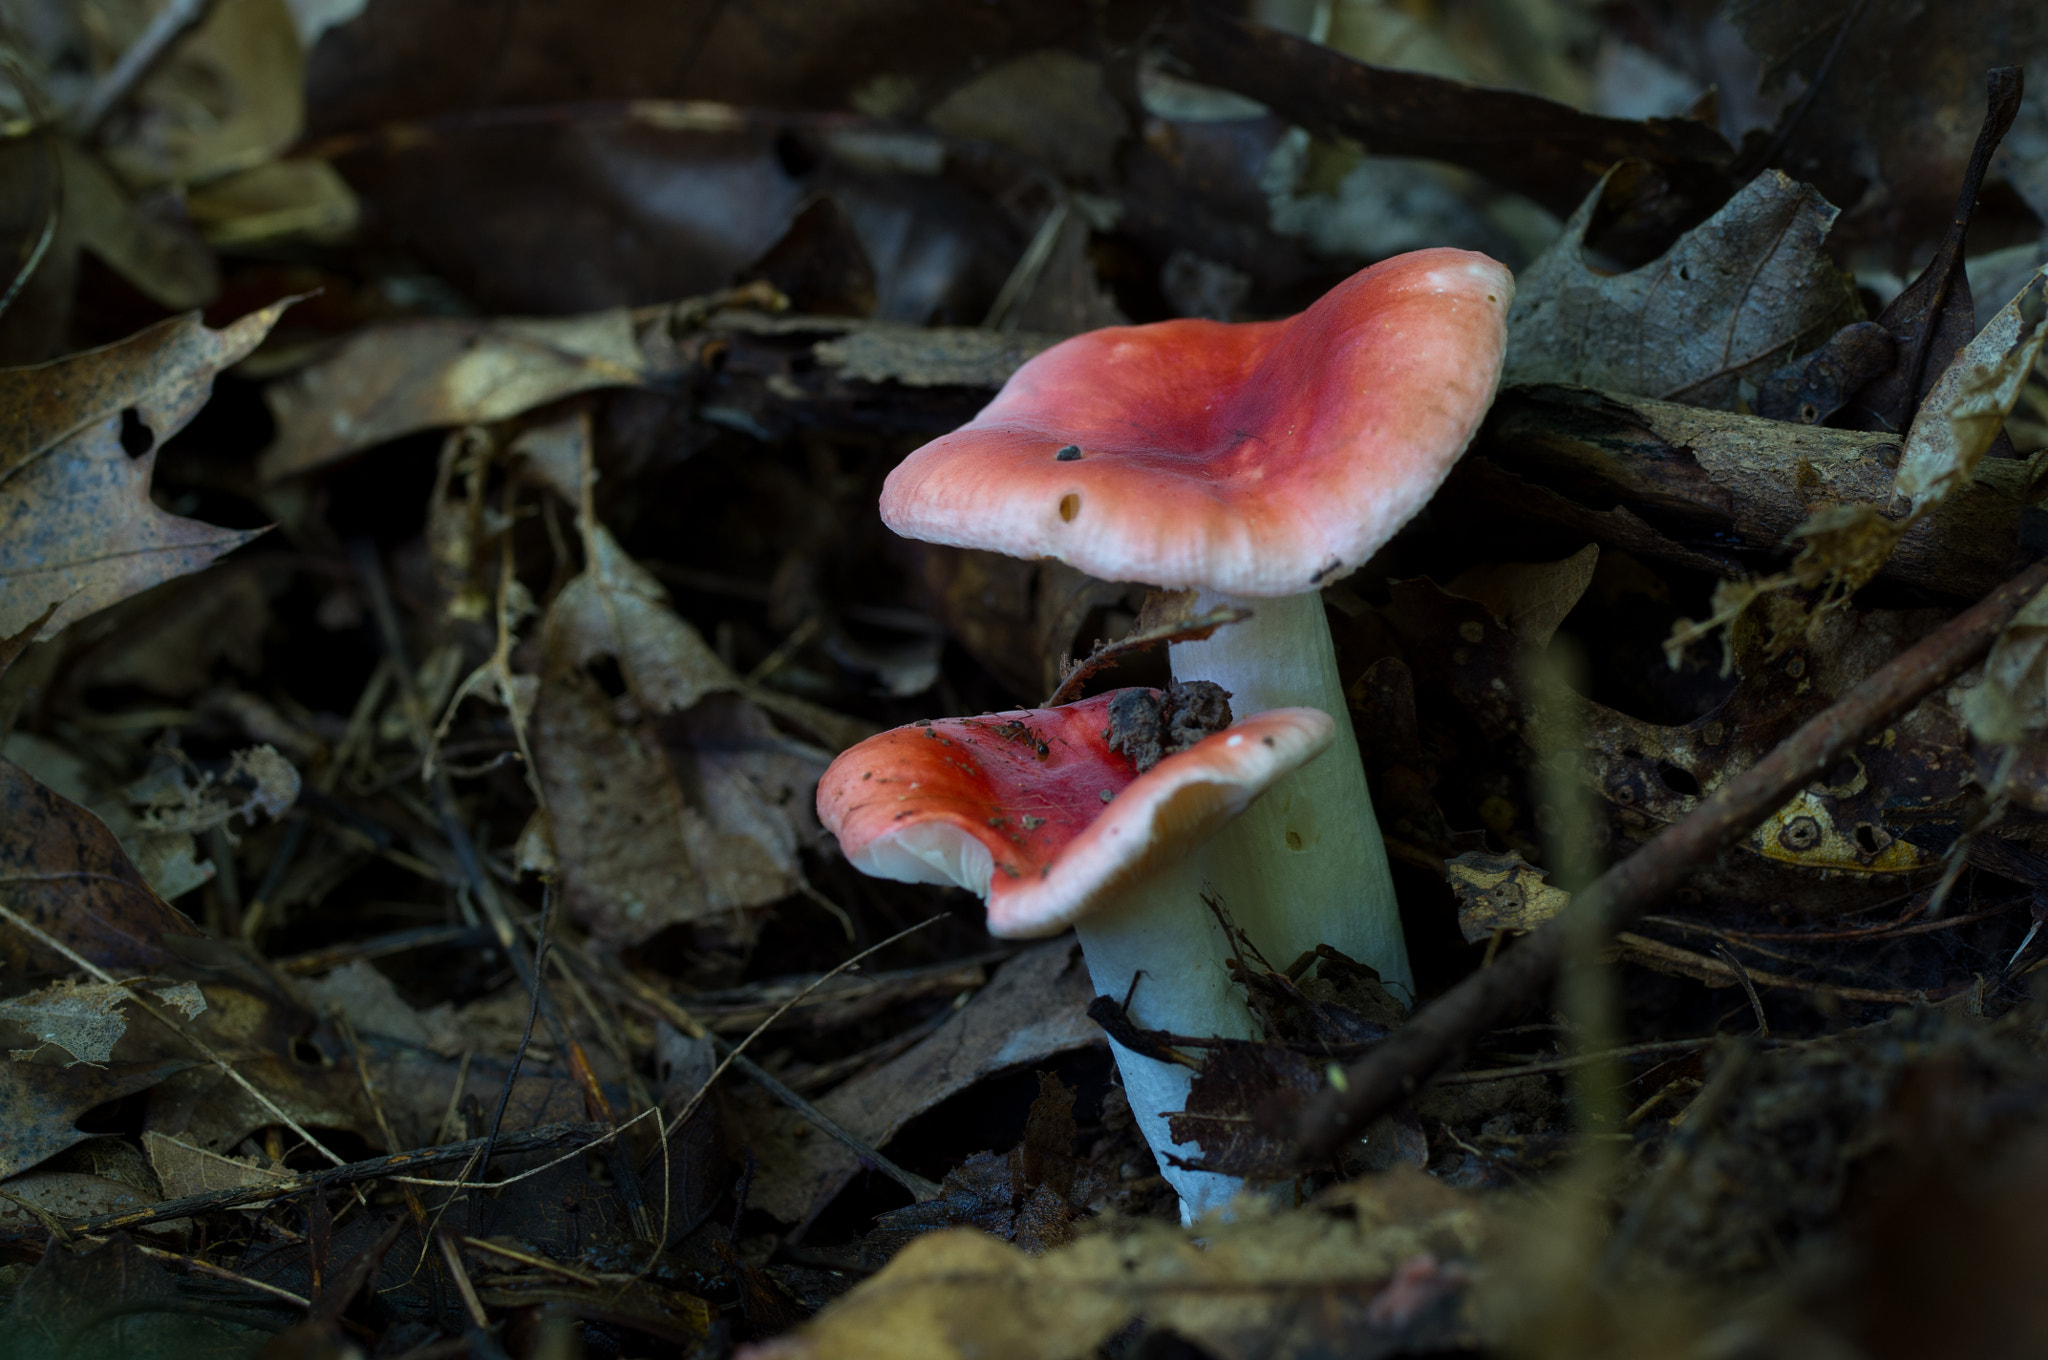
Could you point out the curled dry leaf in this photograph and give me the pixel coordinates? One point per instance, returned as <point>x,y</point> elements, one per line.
<point>1501,892</point>
<point>77,524</point>
<point>401,377</point>
<point>1733,299</point>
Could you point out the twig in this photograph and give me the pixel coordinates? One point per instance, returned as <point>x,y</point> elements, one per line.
<point>374,1168</point>
<point>452,1254</point>
<point>917,1185</point>
<point>1697,1117</point>
<point>222,1273</point>
<point>1756,1003</point>
<point>665,1008</point>
<point>1543,1066</point>
<point>369,571</point>
<point>199,1045</point>
<point>143,56</point>
<point>1438,1032</point>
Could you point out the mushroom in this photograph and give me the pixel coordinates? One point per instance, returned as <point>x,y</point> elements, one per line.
<point>1053,816</point>
<point>1257,462</point>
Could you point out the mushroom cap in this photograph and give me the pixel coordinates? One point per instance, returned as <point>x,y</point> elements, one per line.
<point>1259,459</point>
<point>1010,805</point>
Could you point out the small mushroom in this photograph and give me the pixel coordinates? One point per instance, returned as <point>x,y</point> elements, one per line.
<point>1044,814</point>
<point>1258,462</point>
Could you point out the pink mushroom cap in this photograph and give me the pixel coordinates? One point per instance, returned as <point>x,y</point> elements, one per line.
<point>1012,806</point>
<point>1259,459</point>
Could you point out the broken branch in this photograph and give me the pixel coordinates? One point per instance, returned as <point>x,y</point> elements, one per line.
<point>1441,1030</point>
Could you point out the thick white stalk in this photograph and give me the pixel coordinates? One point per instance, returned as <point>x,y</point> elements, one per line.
<point>1162,928</point>
<point>1305,864</point>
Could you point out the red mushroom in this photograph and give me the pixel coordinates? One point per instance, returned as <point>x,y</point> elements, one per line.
<point>1041,813</point>
<point>1261,460</point>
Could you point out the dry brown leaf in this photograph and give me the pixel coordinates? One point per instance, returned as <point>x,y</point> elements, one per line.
<point>636,854</point>
<point>164,368</point>
<point>1530,598</point>
<point>77,524</point>
<point>391,380</point>
<point>62,1195</point>
<point>160,254</point>
<point>1734,298</point>
<point>229,96</point>
<point>272,1042</point>
<point>1035,1008</point>
<point>1299,1283</point>
<point>2011,702</point>
<point>40,1103</point>
<point>187,1170</point>
<point>62,869</point>
<point>1501,892</point>
<point>1847,545</point>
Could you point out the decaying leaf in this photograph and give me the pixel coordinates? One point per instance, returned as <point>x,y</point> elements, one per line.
<point>228,96</point>
<point>40,1103</point>
<point>183,1169</point>
<point>636,855</point>
<point>84,1019</point>
<point>2011,702</point>
<point>62,869</point>
<point>164,369</point>
<point>1035,1008</point>
<point>1530,598</point>
<point>1733,299</point>
<point>1501,892</point>
<point>1300,1283</point>
<point>77,524</point>
<point>401,377</point>
<point>1847,545</point>
<point>114,1300</point>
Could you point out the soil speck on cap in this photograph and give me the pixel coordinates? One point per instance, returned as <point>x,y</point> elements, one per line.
<point>1149,725</point>
<point>1070,454</point>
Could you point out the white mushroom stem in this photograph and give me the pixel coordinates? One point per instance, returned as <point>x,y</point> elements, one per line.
<point>1161,928</point>
<point>1305,864</point>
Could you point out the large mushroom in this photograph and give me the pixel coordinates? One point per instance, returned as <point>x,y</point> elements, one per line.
<point>1257,462</point>
<point>1086,816</point>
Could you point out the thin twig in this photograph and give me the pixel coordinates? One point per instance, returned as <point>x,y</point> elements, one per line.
<point>374,1168</point>
<point>665,1008</point>
<point>199,1045</point>
<point>143,56</point>
<point>917,1185</point>
<point>222,1273</point>
<point>1756,1003</point>
<point>1438,1032</point>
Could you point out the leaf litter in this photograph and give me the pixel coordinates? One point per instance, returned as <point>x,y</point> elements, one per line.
<point>418,665</point>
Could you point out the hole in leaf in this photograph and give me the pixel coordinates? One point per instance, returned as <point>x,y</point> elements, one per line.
<point>605,671</point>
<point>1678,779</point>
<point>136,436</point>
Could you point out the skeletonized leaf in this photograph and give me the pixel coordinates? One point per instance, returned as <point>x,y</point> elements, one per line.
<point>1734,298</point>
